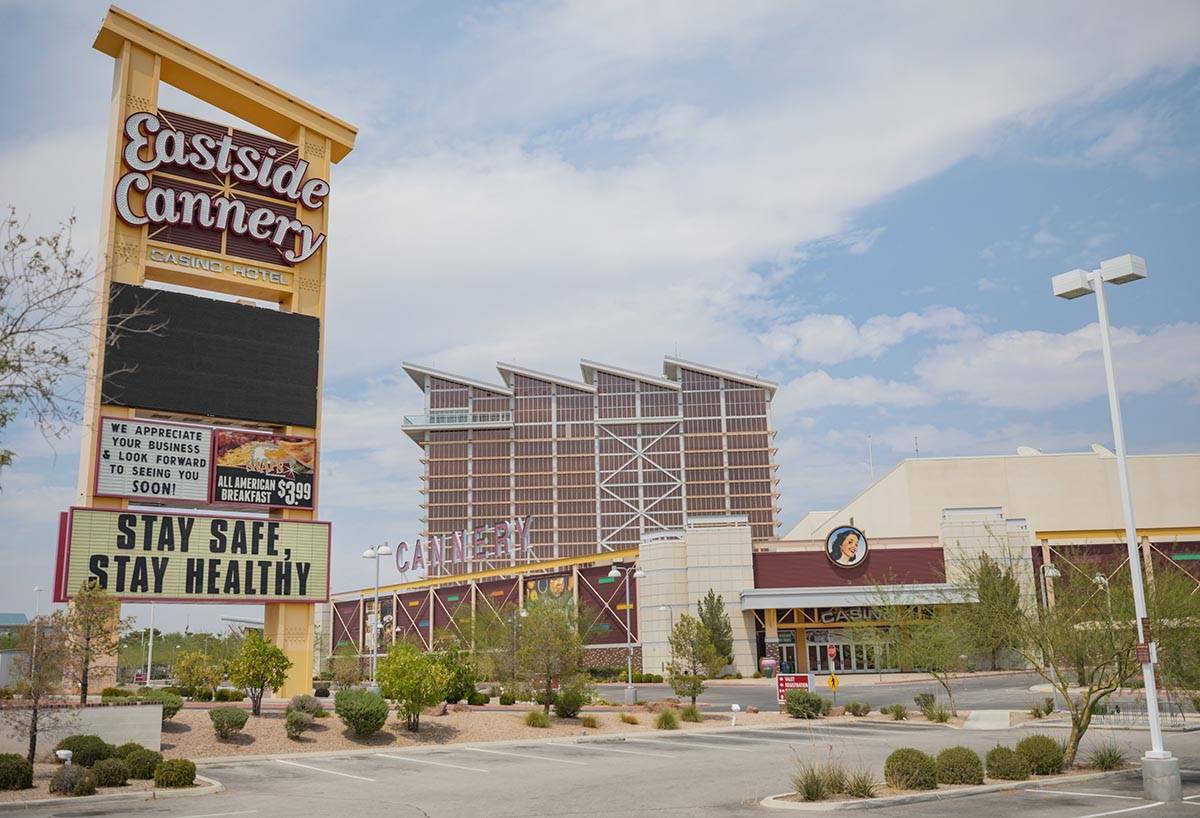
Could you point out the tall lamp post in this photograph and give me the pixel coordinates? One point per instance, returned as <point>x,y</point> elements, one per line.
<point>374,553</point>
<point>1160,771</point>
<point>636,573</point>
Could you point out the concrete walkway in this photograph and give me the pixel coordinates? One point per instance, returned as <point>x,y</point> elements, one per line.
<point>987,720</point>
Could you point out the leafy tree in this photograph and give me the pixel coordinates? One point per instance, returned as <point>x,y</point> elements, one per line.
<point>989,624</point>
<point>258,666</point>
<point>550,646</point>
<point>463,675</point>
<point>197,671</point>
<point>346,666</point>
<point>413,679</point>
<point>91,629</point>
<point>38,670</point>
<point>716,622</point>
<point>693,657</point>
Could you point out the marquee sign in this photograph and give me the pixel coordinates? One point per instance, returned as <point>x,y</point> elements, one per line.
<point>461,551</point>
<point>156,557</point>
<point>258,468</point>
<point>153,460</point>
<point>212,187</point>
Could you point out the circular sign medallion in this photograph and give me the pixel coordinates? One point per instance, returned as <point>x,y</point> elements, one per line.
<point>846,546</point>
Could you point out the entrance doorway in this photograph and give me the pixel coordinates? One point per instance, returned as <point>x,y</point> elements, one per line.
<point>853,652</point>
<point>787,652</point>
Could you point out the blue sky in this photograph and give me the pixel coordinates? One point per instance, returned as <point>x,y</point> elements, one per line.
<point>863,203</point>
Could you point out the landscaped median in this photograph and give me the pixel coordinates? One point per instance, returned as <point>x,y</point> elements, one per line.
<point>911,775</point>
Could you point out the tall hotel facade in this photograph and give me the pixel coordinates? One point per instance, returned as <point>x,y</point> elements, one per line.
<point>600,462</point>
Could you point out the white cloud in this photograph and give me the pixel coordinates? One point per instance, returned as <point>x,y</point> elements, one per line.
<point>819,390</point>
<point>831,339</point>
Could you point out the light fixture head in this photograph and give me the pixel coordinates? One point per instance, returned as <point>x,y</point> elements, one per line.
<point>369,554</point>
<point>615,572</point>
<point>384,550</point>
<point>638,573</point>
<point>1123,269</point>
<point>664,607</point>
<point>1051,570</point>
<point>1073,284</point>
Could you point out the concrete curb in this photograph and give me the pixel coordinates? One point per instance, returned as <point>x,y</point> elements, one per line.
<point>779,802</point>
<point>1062,724</point>
<point>211,788</point>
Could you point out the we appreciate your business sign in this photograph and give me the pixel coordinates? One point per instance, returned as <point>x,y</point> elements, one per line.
<point>144,556</point>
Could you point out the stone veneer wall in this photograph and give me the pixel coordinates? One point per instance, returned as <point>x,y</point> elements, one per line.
<point>613,657</point>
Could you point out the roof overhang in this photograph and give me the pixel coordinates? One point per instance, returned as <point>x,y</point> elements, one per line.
<point>418,373</point>
<point>590,368</point>
<point>842,596</point>
<point>671,367</point>
<point>508,370</point>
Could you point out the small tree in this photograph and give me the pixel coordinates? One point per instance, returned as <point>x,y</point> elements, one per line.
<point>197,671</point>
<point>716,622</point>
<point>38,671</point>
<point>346,666</point>
<point>550,645</point>
<point>258,666</point>
<point>91,629</point>
<point>413,679</point>
<point>693,657</point>
<point>989,624</point>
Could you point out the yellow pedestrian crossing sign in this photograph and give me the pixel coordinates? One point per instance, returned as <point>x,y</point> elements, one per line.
<point>832,681</point>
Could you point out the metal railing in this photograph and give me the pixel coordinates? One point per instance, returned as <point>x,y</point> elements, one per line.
<point>457,418</point>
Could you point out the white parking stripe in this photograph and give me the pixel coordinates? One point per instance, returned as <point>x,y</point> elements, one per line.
<point>739,737</point>
<point>694,744</point>
<point>322,770</point>
<point>1086,794</point>
<point>592,746</point>
<point>434,763</point>
<point>221,814</point>
<point>527,755</point>
<point>1119,811</point>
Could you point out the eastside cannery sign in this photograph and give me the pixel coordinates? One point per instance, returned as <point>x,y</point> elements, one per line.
<point>153,460</point>
<point>471,548</point>
<point>151,556</point>
<point>229,182</point>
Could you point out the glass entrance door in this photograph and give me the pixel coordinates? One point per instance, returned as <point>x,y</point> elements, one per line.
<point>852,653</point>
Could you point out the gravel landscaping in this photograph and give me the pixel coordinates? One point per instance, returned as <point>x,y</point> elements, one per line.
<point>41,787</point>
<point>190,734</point>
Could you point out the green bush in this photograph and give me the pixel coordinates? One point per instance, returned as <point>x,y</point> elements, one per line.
<point>924,701</point>
<point>692,713</point>
<point>478,698</point>
<point>1044,754</point>
<point>115,693</point>
<point>6,693</point>
<point>809,782</point>
<point>73,780</point>
<point>898,712</point>
<point>175,772</point>
<point>835,778</point>
<point>507,699</point>
<point>296,722</point>
<point>15,772</point>
<point>572,696</point>
<point>667,720</point>
<point>228,721</point>
<point>127,748</point>
<point>1107,756</point>
<point>362,711</point>
<point>204,695</point>
<point>938,714</point>
<point>86,750</point>
<point>589,721</point>
<point>1005,764</point>
<point>142,763</point>
<point>228,694</point>
<point>802,704</point>
<point>861,784</point>
<point>1035,710</point>
<point>111,772</point>
<point>463,675</point>
<point>171,702</point>
<point>628,718</point>
<point>536,718</point>
<point>959,765</point>
<point>910,769</point>
<point>858,708</point>
<point>306,704</point>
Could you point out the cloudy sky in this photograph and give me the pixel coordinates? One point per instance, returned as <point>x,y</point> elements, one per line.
<point>862,201</point>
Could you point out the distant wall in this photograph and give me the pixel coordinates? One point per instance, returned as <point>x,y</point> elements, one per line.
<point>116,724</point>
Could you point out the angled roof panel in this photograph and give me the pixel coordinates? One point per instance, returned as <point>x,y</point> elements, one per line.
<point>508,370</point>
<point>590,368</point>
<point>672,365</point>
<point>417,373</point>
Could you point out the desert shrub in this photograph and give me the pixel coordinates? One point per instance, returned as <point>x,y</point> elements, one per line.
<point>938,714</point>
<point>296,722</point>
<point>127,748</point>
<point>1005,764</point>
<point>573,695</point>
<point>959,765</point>
<point>1035,710</point>
<point>628,718</point>
<point>111,772</point>
<point>86,750</point>
<point>589,721</point>
<point>205,695</point>
<point>115,693</point>
<point>858,708</point>
<point>1044,754</point>
<point>142,763</point>
<point>1107,756</point>
<point>73,780</point>
<point>540,697</point>
<point>809,782</point>
<point>227,722</point>
<point>861,784</point>
<point>691,712</point>
<point>507,699</point>
<point>910,769</point>
<point>1099,709</point>
<point>362,711</point>
<point>228,694</point>
<point>924,701</point>
<point>175,772</point>
<point>1048,705</point>
<point>667,720</point>
<point>898,712</point>
<point>536,718</point>
<point>802,704</point>
<point>835,778</point>
<point>6,693</point>
<point>15,772</point>
<point>826,706</point>
<point>171,702</point>
<point>478,698</point>
<point>306,704</point>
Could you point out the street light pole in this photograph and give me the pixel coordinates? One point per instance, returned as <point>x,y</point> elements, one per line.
<point>374,553</point>
<point>636,573</point>
<point>1160,771</point>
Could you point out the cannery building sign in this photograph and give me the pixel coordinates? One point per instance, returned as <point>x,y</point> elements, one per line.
<point>469,549</point>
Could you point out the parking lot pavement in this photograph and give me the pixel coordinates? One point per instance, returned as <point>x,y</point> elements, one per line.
<point>709,773</point>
